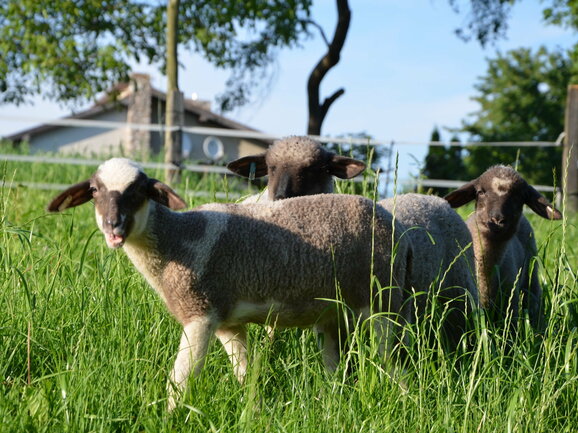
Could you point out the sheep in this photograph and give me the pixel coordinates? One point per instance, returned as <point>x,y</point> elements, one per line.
<point>289,158</point>
<point>442,254</point>
<point>296,166</point>
<point>221,266</point>
<point>504,242</point>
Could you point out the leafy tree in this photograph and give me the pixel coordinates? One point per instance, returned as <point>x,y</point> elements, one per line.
<point>487,20</point>
<point>521,98</point>
<point>70,50</point>
<point>444,162</point>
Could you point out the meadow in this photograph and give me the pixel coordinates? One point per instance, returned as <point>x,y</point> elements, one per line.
<point>86,345</point>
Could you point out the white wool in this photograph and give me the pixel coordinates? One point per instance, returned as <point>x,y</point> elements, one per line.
<point>118,173</point>
<point>501,186</point>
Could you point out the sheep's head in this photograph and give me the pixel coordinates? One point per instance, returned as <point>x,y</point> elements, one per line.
<point>500,194</point>
<point>297,166</point>
<point>120,190</point>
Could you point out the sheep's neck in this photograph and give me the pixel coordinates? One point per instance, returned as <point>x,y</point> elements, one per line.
<point>488,255</point>
<point>143,252</point>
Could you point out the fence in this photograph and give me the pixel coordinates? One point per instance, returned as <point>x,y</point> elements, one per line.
<point>385,177</point>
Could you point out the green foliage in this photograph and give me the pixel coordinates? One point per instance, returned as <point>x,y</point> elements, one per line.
<point>443,162</point>
<point>562,13</point>
<point>522,98</point>
<point>487,20</point>
<point>69,51</point>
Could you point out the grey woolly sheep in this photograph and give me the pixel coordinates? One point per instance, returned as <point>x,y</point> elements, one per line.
<point>296,166</point>
<point>221,266</point>
<point>443,260</point>
<point>504,242</point>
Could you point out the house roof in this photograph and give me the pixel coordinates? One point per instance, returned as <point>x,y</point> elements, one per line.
<point>109,102</point>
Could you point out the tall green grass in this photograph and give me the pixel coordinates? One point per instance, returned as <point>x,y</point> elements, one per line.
<point>86,345</point>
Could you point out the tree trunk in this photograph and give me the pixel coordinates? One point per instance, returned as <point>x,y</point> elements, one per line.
<point>174,115</point>
<point>317,111</point>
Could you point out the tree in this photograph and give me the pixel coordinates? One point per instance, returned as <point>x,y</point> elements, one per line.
<point>69,51</point>
<point>521,97</point>
<point>487,20</point>
<point>444,162</point>
<point>318,110</point>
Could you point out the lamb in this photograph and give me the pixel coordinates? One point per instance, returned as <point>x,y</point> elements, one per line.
<point>296,166</point>
<point>221,266</point>
<point>504,242</point>
<point>442,255</point>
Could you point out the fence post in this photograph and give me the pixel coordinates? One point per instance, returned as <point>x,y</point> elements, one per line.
<point>570,154</point>
<point>173,138</point>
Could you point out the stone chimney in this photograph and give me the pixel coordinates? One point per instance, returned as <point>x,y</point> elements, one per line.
<point>138,141</point>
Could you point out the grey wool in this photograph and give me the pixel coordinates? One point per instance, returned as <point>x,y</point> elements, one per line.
<point>221,266</point>
<point>443,259</point>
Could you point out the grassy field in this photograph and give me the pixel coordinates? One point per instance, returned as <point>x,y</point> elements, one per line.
<point>86,345</point>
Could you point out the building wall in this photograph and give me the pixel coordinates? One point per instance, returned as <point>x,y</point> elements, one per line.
<point>86,141</point>
<point>91,141</point>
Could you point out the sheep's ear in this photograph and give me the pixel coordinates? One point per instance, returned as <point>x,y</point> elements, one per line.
<point>344,167</point>
<point>539,204</point>
<point>242,166</point>
<point>71,197</point>
<point>465,194</point>
<point>164,195</point>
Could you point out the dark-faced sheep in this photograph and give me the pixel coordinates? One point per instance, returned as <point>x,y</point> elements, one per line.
<point>504,243</point>
<point>296,166</point>
<point>222,266</point>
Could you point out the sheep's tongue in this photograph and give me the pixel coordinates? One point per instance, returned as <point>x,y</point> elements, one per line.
<point>114,241</point>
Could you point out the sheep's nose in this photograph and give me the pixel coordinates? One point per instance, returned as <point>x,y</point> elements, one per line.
<point>114,222</point>
<point>283,189</point>
<point>497,219</point>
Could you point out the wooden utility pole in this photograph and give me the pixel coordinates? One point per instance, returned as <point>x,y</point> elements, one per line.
<point>174,107</point>
<point>570,154</point>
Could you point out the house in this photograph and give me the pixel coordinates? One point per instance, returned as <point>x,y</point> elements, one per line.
<point>138,103</point>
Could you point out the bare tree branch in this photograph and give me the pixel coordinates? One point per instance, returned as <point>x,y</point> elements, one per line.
<point>318,112</point>
<point>321,31</point>
<point>328,101</point>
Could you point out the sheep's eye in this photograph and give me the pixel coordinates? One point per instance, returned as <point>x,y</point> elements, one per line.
<point>481,192</point>
<point>93,190</point>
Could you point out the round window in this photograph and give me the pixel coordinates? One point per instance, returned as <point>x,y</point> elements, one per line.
<point>213,148</point>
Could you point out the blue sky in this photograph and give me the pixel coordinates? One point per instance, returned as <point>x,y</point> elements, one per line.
<point>403,69</point>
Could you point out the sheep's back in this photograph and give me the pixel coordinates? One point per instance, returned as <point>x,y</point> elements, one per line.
<point>295,250</point>
<point>439,236</point>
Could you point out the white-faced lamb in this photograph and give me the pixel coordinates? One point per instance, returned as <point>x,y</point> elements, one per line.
<point>504,243</point>
<point>296,166</point>
<point>221,266</point>
<point>443,265</point>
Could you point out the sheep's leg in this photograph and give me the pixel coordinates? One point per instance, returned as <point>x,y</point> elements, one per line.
<point>387,332</point>
<point>533,299</point>
<point>330,347</point>
<point>191,355</point>
<point>234,340</point>
<point>384,334</point>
